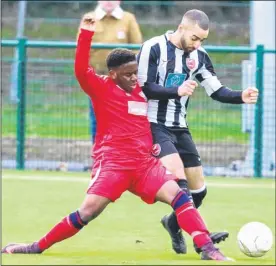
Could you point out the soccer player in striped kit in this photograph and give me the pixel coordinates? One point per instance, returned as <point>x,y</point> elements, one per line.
<point>170,66</point>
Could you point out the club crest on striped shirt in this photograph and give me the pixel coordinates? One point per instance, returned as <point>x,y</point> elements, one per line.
<point>190,63</point>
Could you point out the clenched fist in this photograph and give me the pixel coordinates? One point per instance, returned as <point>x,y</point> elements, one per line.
<point>250,95</point>
<point>88,23</point>
<point>187,88</point>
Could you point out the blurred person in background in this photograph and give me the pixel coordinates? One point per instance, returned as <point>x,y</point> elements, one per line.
<point>114,25</point>
<point>169,66</point>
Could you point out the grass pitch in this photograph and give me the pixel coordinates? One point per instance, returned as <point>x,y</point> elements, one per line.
<point>129,231</point>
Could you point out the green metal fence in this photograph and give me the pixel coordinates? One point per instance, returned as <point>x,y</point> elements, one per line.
<point>53,109</point>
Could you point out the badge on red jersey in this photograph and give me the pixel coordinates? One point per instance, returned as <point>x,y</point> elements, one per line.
<point>156,149</point>
<point>190,63</point>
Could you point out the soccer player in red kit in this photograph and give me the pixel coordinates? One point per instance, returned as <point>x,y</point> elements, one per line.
<point>122,154</point>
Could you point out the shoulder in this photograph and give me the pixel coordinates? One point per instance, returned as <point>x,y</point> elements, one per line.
<point>129,16</point>
<point>202,54</point>
<point>202,50</point>
<point>154,41</point>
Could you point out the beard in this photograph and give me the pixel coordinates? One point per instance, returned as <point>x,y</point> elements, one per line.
<point>185,47</point>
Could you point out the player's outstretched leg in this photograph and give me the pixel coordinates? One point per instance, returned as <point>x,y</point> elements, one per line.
<point>66,228</point>
<point>70,225</point>
<point>189,219</point>
<point>22,248</point>
<point>170,223</point>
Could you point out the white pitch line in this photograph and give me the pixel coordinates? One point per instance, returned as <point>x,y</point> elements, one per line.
<point>87,180</point>
<point>49,178</point>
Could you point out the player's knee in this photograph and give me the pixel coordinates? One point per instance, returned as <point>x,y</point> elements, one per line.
<point>89,212</point>
<point>198,196</point>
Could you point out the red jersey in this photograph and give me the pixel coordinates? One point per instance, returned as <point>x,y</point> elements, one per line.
<point>123,130</point>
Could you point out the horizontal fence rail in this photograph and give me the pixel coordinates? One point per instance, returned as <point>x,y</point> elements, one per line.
<point>70,44</point>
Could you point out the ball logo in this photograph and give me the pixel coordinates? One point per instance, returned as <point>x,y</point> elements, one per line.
<point>156,149</point>
<point>190,63</point>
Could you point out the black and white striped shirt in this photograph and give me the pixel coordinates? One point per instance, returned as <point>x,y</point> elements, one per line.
<point>162,63</point>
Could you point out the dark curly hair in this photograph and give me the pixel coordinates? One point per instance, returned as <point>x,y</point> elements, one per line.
<point>118,57</point>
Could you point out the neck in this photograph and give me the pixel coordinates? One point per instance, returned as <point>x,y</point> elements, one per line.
<point>175,39</point>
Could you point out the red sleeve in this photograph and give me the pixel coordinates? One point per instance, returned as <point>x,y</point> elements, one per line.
<point>89,81</point>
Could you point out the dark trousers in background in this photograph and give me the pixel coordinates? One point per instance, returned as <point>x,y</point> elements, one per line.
<point>92,121</point>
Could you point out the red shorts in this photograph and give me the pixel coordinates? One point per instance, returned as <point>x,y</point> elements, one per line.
<point>144,180</point>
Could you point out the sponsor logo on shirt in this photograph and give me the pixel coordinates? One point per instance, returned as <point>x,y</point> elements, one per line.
<point>137,108</point>
<point>175,79</point>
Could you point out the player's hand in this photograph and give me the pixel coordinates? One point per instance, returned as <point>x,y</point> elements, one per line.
<point>88,23</point>
<point>250,95</point>
<point>187,88</point>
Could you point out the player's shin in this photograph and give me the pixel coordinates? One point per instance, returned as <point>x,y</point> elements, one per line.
<point>66,228</point>
<point>183,184</point>
<point>189,219</point>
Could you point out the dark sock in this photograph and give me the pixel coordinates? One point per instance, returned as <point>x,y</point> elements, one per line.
<point>183,184</point>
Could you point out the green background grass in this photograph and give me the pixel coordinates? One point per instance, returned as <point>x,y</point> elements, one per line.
<point>31,207</point>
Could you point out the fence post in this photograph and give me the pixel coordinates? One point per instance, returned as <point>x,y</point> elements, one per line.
<point>258,128</point>
<point>21,84</point>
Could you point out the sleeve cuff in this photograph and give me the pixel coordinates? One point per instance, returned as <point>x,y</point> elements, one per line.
<point>87,33</point>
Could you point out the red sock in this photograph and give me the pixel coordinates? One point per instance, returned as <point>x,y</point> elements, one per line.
<point>68,227</point>
<point>191,222</point>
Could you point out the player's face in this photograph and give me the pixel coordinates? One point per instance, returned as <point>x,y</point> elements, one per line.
<point>108,6</point>
<point>126,76</point>
<point>192,37</point>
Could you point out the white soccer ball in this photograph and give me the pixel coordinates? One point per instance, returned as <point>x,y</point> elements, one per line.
<point>255,239</point>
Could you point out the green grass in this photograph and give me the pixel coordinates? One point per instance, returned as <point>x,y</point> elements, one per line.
<point>31,207</point>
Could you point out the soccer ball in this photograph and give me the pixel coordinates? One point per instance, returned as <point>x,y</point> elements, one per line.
<point>255,239</point>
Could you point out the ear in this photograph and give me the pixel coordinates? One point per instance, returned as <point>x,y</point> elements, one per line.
<point>113,74</point>
<point>181,28</point>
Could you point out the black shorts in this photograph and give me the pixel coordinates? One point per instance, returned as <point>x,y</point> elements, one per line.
<point>176,140</point>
